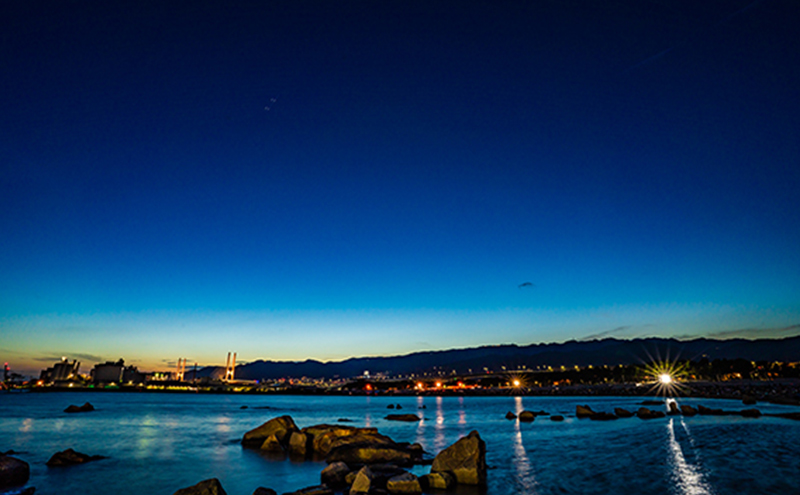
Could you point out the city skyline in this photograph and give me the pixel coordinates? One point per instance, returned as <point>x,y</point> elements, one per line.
<point>314,180</point>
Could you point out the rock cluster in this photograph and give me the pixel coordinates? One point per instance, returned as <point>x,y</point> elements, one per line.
<point>362,461</point>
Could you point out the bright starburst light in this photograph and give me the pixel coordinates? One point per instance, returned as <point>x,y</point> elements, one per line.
<point>665,377</point>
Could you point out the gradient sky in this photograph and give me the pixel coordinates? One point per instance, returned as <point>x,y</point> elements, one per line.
<point>309,179</point>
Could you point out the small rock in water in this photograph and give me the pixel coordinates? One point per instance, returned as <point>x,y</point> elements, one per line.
<point>390,406</point>
<point>344,420</point>
<point>623,413</point>
<point>208,487</point>
<point>511,415</point>
<point>402,417</point>
<point>243,407</point>
<point>526,416</point>
<point>69,458</point>
<point>264,491</point>
<point>556,417</point>
<point>584,411</point>
<point>76,409</point>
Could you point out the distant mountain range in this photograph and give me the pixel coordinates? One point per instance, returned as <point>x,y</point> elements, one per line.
<point>500,358</point>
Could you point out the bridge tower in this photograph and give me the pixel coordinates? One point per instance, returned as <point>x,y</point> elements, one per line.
<point>230,367</point>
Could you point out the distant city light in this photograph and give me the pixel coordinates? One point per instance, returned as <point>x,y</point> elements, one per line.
<point>665,378</point>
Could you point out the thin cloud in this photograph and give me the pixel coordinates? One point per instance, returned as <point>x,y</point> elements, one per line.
<point>600,335</point>
<point>757,333</point>
<point>71,355</point>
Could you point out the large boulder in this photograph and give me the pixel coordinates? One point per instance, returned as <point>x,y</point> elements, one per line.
<point>438,481</point>
<point>272,444</point>
<point>403,417</point>
<point>405,483</point>
<point>584,412</point>
<point>207,487</point>
<point>69,458</point>
<point>371,453</point>
<point>323,437</point>
<point>86,407</point>
<point>281,427</point>
<point>465,460</point>
<point>335,475</point>
<point>13,472</point>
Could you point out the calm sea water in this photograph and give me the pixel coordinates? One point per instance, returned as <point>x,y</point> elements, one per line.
<point>158,443</point>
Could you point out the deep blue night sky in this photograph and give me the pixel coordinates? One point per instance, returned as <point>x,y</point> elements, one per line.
<point>309,179</point>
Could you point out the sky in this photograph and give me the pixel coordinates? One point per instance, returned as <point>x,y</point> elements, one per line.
<point>297,180</point>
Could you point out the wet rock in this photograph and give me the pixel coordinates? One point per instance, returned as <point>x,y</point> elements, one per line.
<point>687,410</point>
<point>511,415</point>
<point>207,487</point>
<point>403,417</point>
<point>602,416</point>
<point>298,444</point>
<point>404,483</point>
<point>584,411</point>
<point>673,408</point>
<point>243,407</point>
<point>750,413</point>
<point>622,413</point>
<point>13,471</point>
<point>465,460</point>
<point>281,428</point>
<point>335,475</point>
<point>264,491</point>
<point>390,406</point>
<point>439,481</point>
<point>398,406</point>
<point>324,436</point>
<point>86,407</point>
<point>645,413</point>
<point>706,411</point>
<point>368,453</point>
<point>272,444</point>
<point>313,490</point>
<point>69,458</point>
<point>556,417</point>
<point>362,482</point>
<point>526,416</point>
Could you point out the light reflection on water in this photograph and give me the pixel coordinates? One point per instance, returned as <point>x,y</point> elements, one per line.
<point>439,438</point>
<point>522,465</point>
<point>688,478</point>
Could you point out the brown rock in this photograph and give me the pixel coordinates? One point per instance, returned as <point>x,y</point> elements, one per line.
<point>13,472</point>
<point>602,416</point>
<point>86,407</point>
<point>335,475</point>
<point>298,444</point>
<point>622,413</point>
<point>403,417</point>
<point>645,413</point>
<point>313,490</point>
<point>370,453</point>
<point>511,415</point>
<point>271,444</point>
<point>584,411</point>
<point>362,482</point>
<point>556,417</point>
<point>687,410</point>
<point>207,487</point>
<point>673,408</point>
<point>465,460</point>
<point>323,436</point>
<point>705,411</point>
<point>281,427</point>
<point>404,483</point>
<point>526,416</point>
<point>439,481</point>
<point>69,458</point>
